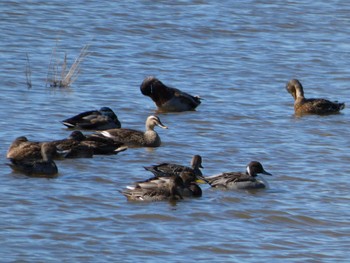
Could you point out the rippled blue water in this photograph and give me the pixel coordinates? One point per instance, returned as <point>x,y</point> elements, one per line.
<point>237,56</point>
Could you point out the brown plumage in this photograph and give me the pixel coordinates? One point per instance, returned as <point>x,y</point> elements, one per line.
<point>22,149</point>
<point>41,167</point>
<point>311,106</point>
<point>80,145</point>
<point>167,98</point>
<point>156,189</point>
<point>171,168</point>
<point>135,138</point>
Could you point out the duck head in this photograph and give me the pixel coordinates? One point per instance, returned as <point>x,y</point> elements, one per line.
<point>254,168</point>
<point>295,88</point>
<point>152,121</point>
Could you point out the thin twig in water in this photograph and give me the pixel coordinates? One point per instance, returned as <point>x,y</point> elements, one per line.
<point>28,73</point>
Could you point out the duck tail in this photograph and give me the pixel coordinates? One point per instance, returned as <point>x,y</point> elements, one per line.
<point>121,149</point>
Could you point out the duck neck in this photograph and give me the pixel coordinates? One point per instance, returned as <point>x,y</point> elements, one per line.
<point>149,127</point>
<point>299,93</point>
<point>250,172</point>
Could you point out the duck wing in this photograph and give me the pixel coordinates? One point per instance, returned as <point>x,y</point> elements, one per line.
<point>323,106</point>
<point>186,98</point>
<point>167,169</point>
<point>222,180</point>
<point>81,118</point>
<point>127,136</point>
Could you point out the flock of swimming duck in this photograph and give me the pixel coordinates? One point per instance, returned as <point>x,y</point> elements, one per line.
<point>170,181</point>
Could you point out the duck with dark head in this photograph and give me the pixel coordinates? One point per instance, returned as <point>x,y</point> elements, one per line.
<point>166,98</point>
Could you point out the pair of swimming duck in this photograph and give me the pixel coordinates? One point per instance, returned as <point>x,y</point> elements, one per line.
<point>174,182</point>
<point>171,99</point>
<point>109,128</point>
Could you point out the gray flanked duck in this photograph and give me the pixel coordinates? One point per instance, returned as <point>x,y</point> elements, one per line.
<point>311,106</point>
<point>238,180</point>
<point>135,138</point>
<point>41,167</point>
<point>102,119</point>
<point>166,98</point>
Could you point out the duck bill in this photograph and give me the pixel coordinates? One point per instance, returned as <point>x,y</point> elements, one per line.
<point>201,180</point>
<point>264,172</point>
<point>162,125</point>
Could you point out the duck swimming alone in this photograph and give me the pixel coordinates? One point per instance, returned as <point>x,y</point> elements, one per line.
<point>134,138</point>
<point>168,99</point>
<point>311,106</point>
<point>156,189</point>
<point>238,180</point>
<point>41,167</point>
<point>102,119</point>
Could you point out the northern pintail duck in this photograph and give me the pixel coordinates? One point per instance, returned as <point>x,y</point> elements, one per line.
<point>311,106</point>
<point>41,167</point>
<point>166,98</point>
<point>134,138</point>
<point>102,119</point>
<point>156,189</point>
<point>238,180</point>
<point>171,168</point>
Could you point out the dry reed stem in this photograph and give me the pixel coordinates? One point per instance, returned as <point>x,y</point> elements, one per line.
<point>63,78</point>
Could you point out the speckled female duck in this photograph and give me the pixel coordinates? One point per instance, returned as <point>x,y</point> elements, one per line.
<point>311,106</point>
<point>238,180</point>
<point>23,149</point>
<point>171,168</point>
<point>42,167</point>
<point>135,138</point>
<point>102,119</point>
<point>156,189</point>
<point>168,99</point>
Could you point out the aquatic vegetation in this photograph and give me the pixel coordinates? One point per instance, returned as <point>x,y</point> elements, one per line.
<point>59,74</point>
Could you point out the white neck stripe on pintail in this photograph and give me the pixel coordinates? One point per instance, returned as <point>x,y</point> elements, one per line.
<point>248,170</point>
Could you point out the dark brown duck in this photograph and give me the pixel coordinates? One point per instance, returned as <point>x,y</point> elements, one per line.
<point>167,98</point>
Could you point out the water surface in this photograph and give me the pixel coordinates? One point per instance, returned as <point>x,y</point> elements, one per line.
<point>237,57</point>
